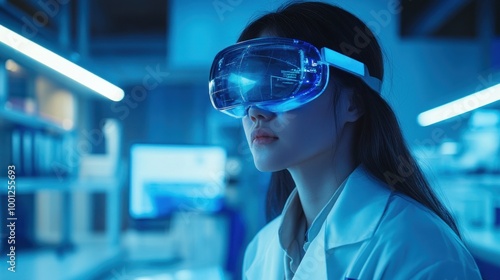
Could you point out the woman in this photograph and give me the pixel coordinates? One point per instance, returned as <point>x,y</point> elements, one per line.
<point>357,204</point>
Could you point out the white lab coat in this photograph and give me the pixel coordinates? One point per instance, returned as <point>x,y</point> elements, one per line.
<point>370,233</point>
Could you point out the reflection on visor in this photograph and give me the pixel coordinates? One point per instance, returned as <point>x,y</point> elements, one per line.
<point>273,74</point>
<point>243,84</point>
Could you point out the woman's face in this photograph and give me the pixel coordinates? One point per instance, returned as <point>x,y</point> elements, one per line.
<point>283,140</point>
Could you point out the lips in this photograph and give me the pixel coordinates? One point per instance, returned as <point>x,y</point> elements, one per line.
<point>263,136</point>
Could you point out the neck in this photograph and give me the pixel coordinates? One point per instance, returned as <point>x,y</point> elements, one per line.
<point>318,178</point>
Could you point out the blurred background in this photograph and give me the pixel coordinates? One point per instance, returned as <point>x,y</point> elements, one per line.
<point>146,181</point>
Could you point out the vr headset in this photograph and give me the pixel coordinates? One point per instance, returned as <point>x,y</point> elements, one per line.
<point>276,74</point>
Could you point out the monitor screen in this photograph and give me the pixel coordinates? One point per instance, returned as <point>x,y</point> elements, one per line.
<point>169,178</point>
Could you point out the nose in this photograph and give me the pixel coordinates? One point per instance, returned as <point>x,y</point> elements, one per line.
<point>256,114</point>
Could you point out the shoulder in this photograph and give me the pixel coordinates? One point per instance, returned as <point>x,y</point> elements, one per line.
<point>404,215</point>
<point>411,231</point>
<point>406,221</point>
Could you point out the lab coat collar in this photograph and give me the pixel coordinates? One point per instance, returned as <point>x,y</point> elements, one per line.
<point>358,210</point>
<point>353,218</point>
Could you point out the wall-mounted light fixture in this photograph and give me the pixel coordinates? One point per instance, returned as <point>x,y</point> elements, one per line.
<point>60,64</point>
<point>460,106</point>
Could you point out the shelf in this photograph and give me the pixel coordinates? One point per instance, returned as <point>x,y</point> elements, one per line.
<point>33,184</point>
<point>33,121</point>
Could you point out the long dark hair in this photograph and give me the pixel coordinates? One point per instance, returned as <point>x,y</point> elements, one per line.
<point>381,148</point>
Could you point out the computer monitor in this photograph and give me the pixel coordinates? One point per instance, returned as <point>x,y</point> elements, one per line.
<point>169,178</point>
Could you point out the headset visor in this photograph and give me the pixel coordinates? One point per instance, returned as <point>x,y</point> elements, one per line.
<point>275,74</point>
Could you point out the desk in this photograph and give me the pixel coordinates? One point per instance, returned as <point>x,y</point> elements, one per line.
<point>87,261</point>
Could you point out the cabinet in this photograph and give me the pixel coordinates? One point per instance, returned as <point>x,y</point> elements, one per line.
<point>41,128</point>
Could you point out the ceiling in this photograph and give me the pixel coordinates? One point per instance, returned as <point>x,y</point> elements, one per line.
<point>136,33</point>
<point>107,17</point>
<point>132,26</point>
<point>115,19</point>
<point>124,17</point>
<point>443,18</point>
<point>449,18</point>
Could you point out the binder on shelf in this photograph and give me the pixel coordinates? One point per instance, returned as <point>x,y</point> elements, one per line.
<point>5,148</point>
<point>27,160</point>
<point>38,153</point>
<point>47,157</point>
<point>59,168</point>
<point>17,151</point>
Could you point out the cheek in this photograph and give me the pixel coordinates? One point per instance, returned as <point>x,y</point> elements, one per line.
<point>313,128</point>
<point>309,132</point>
<point>247,125</point>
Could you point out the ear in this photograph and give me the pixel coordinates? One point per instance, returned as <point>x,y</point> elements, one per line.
<point>353,105</point>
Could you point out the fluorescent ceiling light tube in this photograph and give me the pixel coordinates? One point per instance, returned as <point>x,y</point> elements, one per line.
<point>460,106</point>
<point>60,64</point>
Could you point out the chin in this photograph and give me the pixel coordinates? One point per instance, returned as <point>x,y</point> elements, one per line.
<point>267,166</point>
